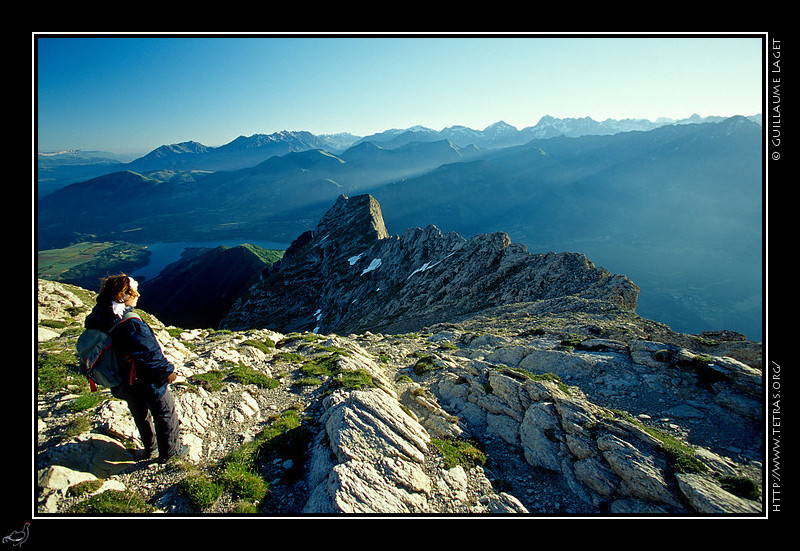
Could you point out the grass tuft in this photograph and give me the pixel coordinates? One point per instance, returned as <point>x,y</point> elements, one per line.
<point>459,452</point>
<point>113,501</point>
<point>201,490</point>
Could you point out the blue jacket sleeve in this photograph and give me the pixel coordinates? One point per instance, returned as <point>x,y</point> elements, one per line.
<point>138,343</point>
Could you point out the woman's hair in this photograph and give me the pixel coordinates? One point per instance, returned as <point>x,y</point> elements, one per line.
<point>116,288</point>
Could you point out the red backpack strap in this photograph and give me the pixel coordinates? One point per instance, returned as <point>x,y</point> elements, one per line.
<point>84,370</point>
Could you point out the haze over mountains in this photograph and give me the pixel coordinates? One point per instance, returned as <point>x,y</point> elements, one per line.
<point>59,168</point>
<point>674,206</point>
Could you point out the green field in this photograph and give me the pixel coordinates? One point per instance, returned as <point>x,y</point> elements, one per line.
<point>83,263</point>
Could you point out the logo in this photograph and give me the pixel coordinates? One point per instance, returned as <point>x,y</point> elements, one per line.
<point>18,537</point>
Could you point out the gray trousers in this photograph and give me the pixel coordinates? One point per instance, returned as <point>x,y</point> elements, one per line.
<point>153,411</point>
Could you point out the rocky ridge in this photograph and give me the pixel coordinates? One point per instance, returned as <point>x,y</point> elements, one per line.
<point>349,275</point>
<point>578,406</point>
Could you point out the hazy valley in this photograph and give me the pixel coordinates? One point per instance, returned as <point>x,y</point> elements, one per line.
<point>676,207</point>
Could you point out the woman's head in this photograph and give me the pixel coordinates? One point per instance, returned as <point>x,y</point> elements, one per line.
<point>118,288</point>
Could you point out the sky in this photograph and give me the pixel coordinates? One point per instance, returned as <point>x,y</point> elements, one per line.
<point>131,94</point>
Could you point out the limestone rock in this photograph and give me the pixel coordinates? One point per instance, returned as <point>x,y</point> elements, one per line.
<point>707,497</point>
<point>378,450</point>
<point>97,454</point>
<point>567,396</point>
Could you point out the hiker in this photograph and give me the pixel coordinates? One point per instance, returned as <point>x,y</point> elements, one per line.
<point>145,371</point>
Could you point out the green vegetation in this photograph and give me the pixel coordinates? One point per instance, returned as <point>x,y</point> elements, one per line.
<point>702,360</point>
<point>76,426</point>
<point>214,380</point>
<point>249,376</point>
<point>740,486</point>
<point>54,324</point>
<point>244,508</point>
<point>266,345</point>
<point>572,342</point>
<point>331,349</point>
<point>325,366</point>
<point>459,452</point>
<point>327,369</point>
<point>681,456</point>
<point>268,256</point>
<point>352,379</point>
<point>174,332</point>
<point>553,378</point>
<point>201,490</point>
<point>85,487</point>
<point>240,471</point>
<point>85,402</point>
<point>85,263</point>
<point>446,345</point>
<point>113,501</point>
<point>424,364</point>
<point>703,341</point>
<point>58,371</point>
<point>290,356</point>
<point>550,377</point>
<point>243,483</point>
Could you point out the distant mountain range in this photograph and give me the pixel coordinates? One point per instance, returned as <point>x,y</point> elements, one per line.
<point>674,205</point>
<point>57,169</point>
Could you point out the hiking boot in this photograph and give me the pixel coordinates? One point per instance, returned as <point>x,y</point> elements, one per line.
<point>181,452</point>
<point>144,455</point>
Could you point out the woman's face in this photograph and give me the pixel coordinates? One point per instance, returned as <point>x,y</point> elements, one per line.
<point>131,300</point>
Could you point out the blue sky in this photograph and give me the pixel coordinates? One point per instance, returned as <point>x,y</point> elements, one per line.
<point>130,95</point>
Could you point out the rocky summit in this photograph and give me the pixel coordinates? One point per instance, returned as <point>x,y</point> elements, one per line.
<point>349,275</point>
<point>411,375</point>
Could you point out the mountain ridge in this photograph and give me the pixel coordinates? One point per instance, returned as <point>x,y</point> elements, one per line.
<point>349,275</point>
<point>189,154</point>
<point>430,155</point>
<point>197,291</point>
<point>678,207</point>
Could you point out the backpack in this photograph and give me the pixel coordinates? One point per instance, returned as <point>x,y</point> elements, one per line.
<point>98,359</point>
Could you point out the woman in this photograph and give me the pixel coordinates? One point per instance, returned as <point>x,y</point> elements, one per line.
<point>145,370</point>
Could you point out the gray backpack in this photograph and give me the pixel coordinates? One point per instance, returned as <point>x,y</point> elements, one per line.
<point>98,359</point>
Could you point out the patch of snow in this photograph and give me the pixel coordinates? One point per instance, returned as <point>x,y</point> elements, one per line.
<point>353,259</point>
<point>420,269</point>
<point>427,266</point>
<point>374,265</point>
<point>318,317</point>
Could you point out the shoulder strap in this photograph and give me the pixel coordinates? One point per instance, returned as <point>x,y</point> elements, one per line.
<point>130,314</point>
<point>126,316</point>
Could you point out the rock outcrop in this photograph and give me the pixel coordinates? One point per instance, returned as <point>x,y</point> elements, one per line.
<point>562,405</point>
<point>349,275</point>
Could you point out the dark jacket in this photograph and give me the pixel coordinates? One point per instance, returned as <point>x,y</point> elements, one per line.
<point>134,341</point>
